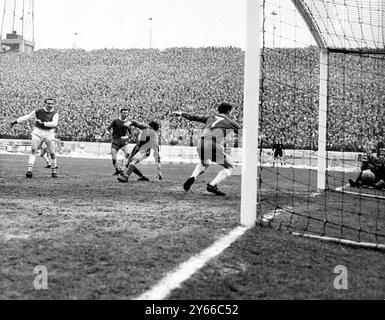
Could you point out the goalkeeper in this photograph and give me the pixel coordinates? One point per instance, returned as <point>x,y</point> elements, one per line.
<point>369,162</point>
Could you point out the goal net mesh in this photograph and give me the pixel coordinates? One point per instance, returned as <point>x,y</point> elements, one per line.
<point>293,35</point>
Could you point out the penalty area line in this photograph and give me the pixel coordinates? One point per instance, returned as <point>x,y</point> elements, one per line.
<point>185,270</point>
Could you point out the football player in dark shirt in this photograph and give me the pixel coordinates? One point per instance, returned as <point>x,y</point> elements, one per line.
<point>380,147</point>
<point>210,145</point>
<point>47,120</point>
<point>119,139</point>
<point>278,150</point>
<point>380,170</point>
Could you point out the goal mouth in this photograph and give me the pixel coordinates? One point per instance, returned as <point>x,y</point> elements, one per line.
<point>320,115</point>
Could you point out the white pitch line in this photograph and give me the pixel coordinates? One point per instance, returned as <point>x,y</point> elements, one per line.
<point>365,195</point>
<point>343,187</point>
<point>8,237</point>
<point>359,193</point>
<point>271,215</point>
<point>185,270</point>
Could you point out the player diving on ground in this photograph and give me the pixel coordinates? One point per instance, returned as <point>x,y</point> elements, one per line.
<point>148,141</point>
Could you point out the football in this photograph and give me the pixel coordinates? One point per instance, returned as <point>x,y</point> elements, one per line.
<point>367,177</point>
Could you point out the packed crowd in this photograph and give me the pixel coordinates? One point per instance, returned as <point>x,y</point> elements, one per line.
<point>91,87</point>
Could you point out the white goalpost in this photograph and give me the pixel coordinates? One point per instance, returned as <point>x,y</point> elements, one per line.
<point>250,114</point>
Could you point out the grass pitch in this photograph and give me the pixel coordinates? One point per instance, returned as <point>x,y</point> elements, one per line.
<point>100,239</point>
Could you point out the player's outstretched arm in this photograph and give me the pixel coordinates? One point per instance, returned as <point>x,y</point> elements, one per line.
<point>137,124</point>
<point>191,117</point>
<point>23,118</point>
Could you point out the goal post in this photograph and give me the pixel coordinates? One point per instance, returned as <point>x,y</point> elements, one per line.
<point>251,114</point>
<point>322,120</point>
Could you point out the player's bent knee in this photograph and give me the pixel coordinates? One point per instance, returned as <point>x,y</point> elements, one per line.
<point>229,171</point>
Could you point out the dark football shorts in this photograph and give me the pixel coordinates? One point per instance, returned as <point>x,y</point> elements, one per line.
<point>209,149</point>
<point>278,153</point>
<point>118,143</point>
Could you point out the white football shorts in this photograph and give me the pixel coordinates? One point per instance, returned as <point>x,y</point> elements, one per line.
<point>43,135</point>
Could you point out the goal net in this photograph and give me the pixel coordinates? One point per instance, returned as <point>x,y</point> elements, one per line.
<point>322,119</point>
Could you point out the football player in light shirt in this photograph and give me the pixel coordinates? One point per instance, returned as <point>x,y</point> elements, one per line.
<point>148,141</point>
<point>47,119</point>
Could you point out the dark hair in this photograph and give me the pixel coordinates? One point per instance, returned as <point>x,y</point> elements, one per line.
<point>225,107</point>
<point>154,125</point>
<point>49,99</point>
<point>123,109</point>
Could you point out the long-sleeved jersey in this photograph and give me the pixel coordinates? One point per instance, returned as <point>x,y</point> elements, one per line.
<point>148,139</point>
<point>50,119</point>
<point>118,128</point>
<point>217,126</point>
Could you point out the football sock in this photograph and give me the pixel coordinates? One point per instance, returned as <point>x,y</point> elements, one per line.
<point>130,169</point>
<point>137,172</point>
<point>199,169</point>
<point>53,164</point>
<point>31,162</point>
<point>115,164</point>
<point>47,159</point>
<point>45,156</point>
<point>128,160</point>
<point>221,176</point>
